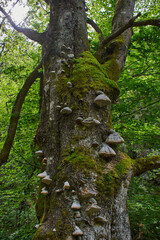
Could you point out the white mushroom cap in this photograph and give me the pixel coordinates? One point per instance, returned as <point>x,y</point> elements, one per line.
<point>47,180</point>
<point>106,151</point>
<point>39,153</point>
<point>102,100</point>
<point>77,232</point>
<point>44,191</point>
<point>42,175</point>
<point>75,205</point>
<point>114,138</point>
<point>66,110</point>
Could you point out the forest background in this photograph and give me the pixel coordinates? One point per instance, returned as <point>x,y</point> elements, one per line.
<point>136,117</point>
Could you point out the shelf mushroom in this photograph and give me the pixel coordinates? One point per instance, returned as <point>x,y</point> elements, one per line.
<point>114,138</point>
<point>106,151</point>
<point>102,100</point>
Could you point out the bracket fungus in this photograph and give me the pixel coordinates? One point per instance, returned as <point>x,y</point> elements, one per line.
<point>66,185</point>
<point>75,205</point>
<point>93,208</point>
<point>44,161</point>
<point>44,191</point>
<point>79,120</point>
<point>89,122</point>
<point>66,110</point>
<point>87,193</point>
<point>100,220</point>
<point>102,100</point>
<point>39,153</point>
<point>70,55</point>
<point>77,232</point>
<point>59,190</point>
<point>106,151</point>
<point>69,85</point>
<point>114,138</point>
<point>58,107</point>
<point>47,180</point>
<point>42,175</point>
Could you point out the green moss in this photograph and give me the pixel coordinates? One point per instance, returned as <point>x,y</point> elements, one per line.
<point>81,158</point>
<point>110,182</point>
<point>42,235</point>
<point>120,38</point>
<point>87,74</point>
<point>112,68</point>
<point>143,164</point>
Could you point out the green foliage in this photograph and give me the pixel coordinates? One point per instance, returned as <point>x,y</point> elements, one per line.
<point>139,98</point>
<point>143,206</point>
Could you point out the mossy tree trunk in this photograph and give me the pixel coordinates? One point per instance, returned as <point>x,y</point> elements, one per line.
<point>87,196</point>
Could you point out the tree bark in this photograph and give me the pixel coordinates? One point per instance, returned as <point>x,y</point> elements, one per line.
<point>83,192</point>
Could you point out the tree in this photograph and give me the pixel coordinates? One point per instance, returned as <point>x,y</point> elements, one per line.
<point>83,188</point>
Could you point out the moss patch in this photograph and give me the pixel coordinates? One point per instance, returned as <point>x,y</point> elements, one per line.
<point>87,74</point>
<point>112,68</point>
<point>109,183</point>
<point>81,158</point>
<point>144,164</point>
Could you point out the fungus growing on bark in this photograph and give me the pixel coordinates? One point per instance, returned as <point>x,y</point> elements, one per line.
<point>69,85</point>
<point>87,193</point>
<point>102,100</point>
<point>58,107</point>
<point>42,175</point>
<point>79,120</point>
<point>114,138</point>
<point>66,185</point>
<point>93,208</point>
<point>70,55</point>
<point>100,220</point>
<point>77,232</point>
<point>75,205</point>
<point>78,214</point>
<point>47,180</point>
<point>59,190</point>
<point>89,122</point>
<point>37,226</point>
<point>66,110</point>
<point>44,191</point>
<point>106,151</point>
<point>44,161</point>
<point>39,153</point>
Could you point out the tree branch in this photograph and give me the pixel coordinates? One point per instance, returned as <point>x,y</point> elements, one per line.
<point>116,34</point>
<point>142,108</point>
<point>96,28</point>
<point>32,34</point>
<point>16,114</point>
<point>131,23</point>
<point>142,165</point>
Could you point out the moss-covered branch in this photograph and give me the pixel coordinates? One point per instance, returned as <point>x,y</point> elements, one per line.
<point>142,165</point>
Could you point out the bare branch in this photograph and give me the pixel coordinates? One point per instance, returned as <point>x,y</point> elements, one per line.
<point>140,109</point>
<point>96,28</point>
<point>142,165</point>
<point>151,22</point>
<point>32,34</point>
<point>16,114</point>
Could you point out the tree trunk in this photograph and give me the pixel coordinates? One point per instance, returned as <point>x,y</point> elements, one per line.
<point>84,194</point>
